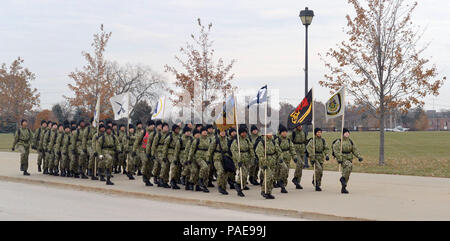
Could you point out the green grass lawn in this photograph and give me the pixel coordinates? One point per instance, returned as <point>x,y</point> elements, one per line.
<point>407,153</point>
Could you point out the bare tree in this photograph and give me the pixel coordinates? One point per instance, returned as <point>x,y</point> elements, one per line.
<point>380,62</point>
<point>200,67</point>
<point>143,83</point>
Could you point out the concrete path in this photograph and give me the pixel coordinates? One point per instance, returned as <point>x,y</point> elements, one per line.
<point>26,202</point>
<point>372,196</point>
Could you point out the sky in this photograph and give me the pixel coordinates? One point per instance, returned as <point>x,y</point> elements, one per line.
<point>265,37</point>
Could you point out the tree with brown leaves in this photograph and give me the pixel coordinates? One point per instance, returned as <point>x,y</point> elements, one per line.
<point>381,63</point>
<point>93,79</point>
<point>199,67</point>
<point>16,95</point>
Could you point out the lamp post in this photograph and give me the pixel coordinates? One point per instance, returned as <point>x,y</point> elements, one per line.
<point>306,16</point>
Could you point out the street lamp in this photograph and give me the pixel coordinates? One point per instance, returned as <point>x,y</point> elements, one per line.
<point>306,16</point>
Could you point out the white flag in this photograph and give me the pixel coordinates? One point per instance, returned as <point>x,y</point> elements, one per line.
<point>97,112</point>
<point>335,106</point>
<point>160,108</point>
<point>261,96</point>
<point>120,105</point>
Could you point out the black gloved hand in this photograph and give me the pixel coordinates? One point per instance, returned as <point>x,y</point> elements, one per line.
<point>264,167</point>
<point>257,161</point>
<point>295,160</point>
<point>166,160</point>
<point>360,159</point>
<point>59,153</point>
<point>187,163</point>
<point>13,149</point>
<point>95,154</point>
<point>133,153</point>
<point>239,164</point>
<point>281,160</point>
<point>327,158</point>
<point>33,147</point>
<point>149,157</point>
<point>85,151</point>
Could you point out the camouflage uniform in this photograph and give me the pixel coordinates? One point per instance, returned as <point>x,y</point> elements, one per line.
<point>38,136</point>
<point>197,157</point>
<point>65,160</point>
<point>299,139</point>
<point>287,154</point>
<point>73,156</point>
<point>345,159</point>
<point>50,151</point>
<point>217,148</point>
<point>269,165</point>
<point>182,148</point>
<point>80,145</point>
<point>170,154</point>
<point>91,133</point>
<point>254,168</point>
<point>158,154</point>
<point>317,158</point>
<point>150,164</point>
<point>44,143</point>
<point>140,157</point>
<point>22,140</point>
<point>107,147</point>
<point>131,165</point>
<point>123,156</point>
<point>247,155</point>
<point>57,150</point>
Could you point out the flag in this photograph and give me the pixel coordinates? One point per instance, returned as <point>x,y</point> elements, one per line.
<point>97,112</point>
<point>335,106</point>
<point>261,97</point>
<point>302,115</point>
<point>120,105</point>
<point>228,113</point>
<point>160,108</point>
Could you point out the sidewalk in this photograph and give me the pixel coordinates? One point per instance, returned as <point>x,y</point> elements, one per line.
<point>372,196</point>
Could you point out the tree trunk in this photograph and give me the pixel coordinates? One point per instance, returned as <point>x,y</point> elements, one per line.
<point>382,126</point>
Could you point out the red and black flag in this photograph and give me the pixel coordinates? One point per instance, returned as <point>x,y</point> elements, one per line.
<point>302,115</point>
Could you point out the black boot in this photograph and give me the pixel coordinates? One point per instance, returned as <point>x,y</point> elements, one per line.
<point>318,189</point>
<point>124,171</point>
<point>25,173</point>
<point>163,183</point>
<point>198,188</point>
<point>210,184</point>
<point>269,196</point>
<point>183,180</point>
<point>283,189</point>
<point>119,169</point>
<point>344,186</point>
<point>256,181</point>
<point>130,176</point>
<point>139,172</point>
<point>231,183</point>
<point>56,173</point>
<point>237,186</point>
<point>202,184</point>
<point>296,182</point>
<point>94,178</point>
<point>246,187</point>
<point>21,167</point>
<point>223,191</point>
<point>156,181</point>
<point>39,168</point>
<point>83,176</point>
<point>50,172</point>
<point>108,177</point>
<point>63,173</point>
<point>145,180</point>
<point>189,186</point>
<point>174,185</point>
<point>70,174</point>
<point>45,171</point>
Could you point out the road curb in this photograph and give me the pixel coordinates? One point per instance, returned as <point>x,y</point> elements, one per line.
<point>181,200</point>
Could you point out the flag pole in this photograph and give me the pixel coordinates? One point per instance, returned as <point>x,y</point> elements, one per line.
<point>314,137</point>
<point>265,145</point>
<point>239,145</point>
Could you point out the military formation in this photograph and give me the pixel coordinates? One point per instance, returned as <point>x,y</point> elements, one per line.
<point>193,156</point>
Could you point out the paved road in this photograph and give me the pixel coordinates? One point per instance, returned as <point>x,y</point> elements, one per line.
<point>30,202</point>
<point>372,196</point>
